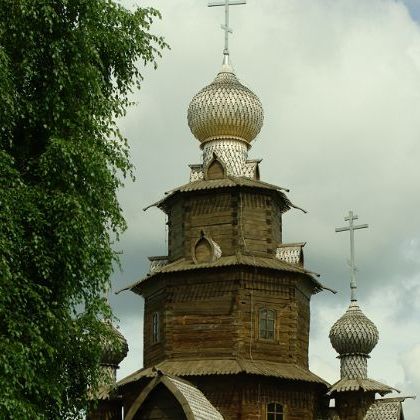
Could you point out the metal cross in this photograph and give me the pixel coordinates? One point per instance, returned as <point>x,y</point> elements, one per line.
<point>350,218</point>
<point>225,27</point>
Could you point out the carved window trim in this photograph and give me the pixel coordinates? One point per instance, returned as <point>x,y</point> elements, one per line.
<point>156,327</point>
<point>267,323</point>
<point>275,411</point>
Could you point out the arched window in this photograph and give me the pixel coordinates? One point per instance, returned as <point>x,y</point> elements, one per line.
<point>203,251</point>
<point>216,169</point>
<point>155,327</point>
<point>266,324</point>
<point>275,411</point>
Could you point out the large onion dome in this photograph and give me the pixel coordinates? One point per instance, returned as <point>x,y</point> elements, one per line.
<point>225,109</point>
<point>354,333</point>
<point>114,347</point>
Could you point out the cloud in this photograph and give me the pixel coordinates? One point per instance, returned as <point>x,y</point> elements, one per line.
<point>414,8</point>
<point>340,84</point>
<point>410,362</point>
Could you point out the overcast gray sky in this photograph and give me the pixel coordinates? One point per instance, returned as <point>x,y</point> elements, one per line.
<point>339,81</point>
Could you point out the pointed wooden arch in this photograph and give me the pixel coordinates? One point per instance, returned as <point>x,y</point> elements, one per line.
<point>216,169</point>
<point>170,384</point>
<point>138,402</point>
<point>204,250</point>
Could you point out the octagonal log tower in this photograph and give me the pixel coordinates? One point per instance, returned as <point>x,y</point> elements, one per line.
<point>228,308</point>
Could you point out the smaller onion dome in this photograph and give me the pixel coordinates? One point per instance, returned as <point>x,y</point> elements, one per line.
<point>113,350</point>
<point>354,332</point>
<point>225,109</point>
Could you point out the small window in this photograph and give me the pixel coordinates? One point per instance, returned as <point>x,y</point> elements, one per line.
<point>266,324</point>
<point>275,411</point>
<point>203,251</point>
<point>215,170</point>
<point>155,327</point>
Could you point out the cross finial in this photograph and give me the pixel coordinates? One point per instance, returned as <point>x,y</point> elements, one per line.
<point>225,27</point>
<point>351,218</point>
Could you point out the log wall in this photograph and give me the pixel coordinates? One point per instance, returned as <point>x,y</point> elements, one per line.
<point>215,314</point>
<point>240,397</point>
<point>160,405</point>
<point>237,220</point>
<point>246,397</point>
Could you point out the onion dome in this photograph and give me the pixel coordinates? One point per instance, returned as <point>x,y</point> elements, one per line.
<point>354,333</point>
<point>114,347</point>
<point>225,109</point>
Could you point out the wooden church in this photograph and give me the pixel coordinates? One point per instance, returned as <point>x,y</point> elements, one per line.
<point>227,310</point>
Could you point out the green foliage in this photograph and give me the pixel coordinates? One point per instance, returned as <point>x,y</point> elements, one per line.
<point>66,68</point>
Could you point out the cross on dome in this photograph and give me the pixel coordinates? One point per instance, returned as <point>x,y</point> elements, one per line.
<point>352,227</point>
<point>226,116</point>
<point>225,27</point>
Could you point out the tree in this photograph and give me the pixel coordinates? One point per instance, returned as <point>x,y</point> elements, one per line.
<point>66,70</point>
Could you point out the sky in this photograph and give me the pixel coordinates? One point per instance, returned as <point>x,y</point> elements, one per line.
<point>339,81</point>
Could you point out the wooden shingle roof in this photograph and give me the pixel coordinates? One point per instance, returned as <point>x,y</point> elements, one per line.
<point>226,261</point>
<point>199,405</point>
<point>193,402</point>
<point>228,182</point>
<point>360,384</point>
<point>201,367</point>
<point>386,409</point>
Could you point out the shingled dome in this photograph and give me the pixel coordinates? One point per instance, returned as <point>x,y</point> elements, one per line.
<point>112,354</point>
<point>354,333</point>
<point>225,109</point>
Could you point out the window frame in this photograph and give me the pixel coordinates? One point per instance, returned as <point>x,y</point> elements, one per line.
<point>156,327</point>
<point>264,316</point>
<point>278,412</point>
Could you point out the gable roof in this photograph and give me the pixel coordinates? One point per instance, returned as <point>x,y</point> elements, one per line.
<point>192,401</point>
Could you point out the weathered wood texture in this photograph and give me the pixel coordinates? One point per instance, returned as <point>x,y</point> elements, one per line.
<point>160,405</point>
<point>211,314</point>
<point>215,170</point>
<point>214,314</point>
<point>176,230</point>
<point>245,397</point>
<point>235,219</point>
<point>203,251</point>
<point>154,304</point>
<point>131,391</point>
<point>354,405</point>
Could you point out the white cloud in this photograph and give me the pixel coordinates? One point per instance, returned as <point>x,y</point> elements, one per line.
<point>411,364</point>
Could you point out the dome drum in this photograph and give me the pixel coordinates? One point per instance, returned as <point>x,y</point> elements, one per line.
<point>353,366</point>
<point>232,153</point>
